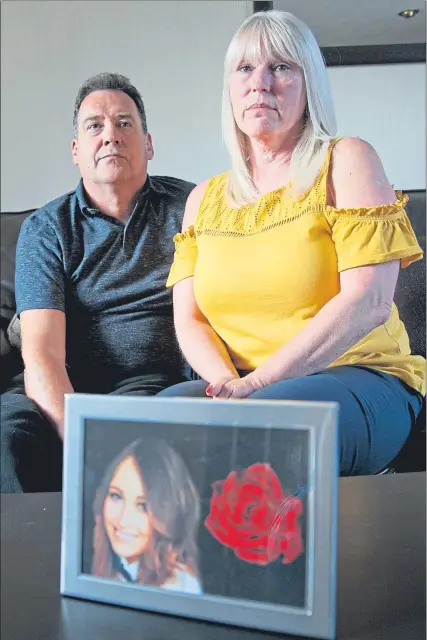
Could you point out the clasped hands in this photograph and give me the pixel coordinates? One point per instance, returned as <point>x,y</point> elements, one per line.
<point>235,387</point>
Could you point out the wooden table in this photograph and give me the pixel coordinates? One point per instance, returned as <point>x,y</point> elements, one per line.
<point>381,573</point>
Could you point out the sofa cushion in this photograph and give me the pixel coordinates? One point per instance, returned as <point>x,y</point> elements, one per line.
<point>410,294</point>
<point>10,225</point>
<point>14,332</point>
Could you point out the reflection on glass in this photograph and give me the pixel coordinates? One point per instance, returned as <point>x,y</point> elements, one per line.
<point>146,512</point>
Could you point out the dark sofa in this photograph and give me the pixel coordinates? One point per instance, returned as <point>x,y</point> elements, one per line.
<point>410,299</point>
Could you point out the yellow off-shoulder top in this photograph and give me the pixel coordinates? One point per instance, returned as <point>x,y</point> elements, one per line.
<point>263,271</point>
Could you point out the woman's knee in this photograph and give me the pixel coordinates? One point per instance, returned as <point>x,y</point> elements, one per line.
<point>374,420</point>
<point>190,389</point>
<point>315,388</point>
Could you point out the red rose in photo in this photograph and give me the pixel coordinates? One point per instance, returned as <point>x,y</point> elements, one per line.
<point>250,514</point>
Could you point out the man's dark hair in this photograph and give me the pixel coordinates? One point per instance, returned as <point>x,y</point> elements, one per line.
<point>109,82</point>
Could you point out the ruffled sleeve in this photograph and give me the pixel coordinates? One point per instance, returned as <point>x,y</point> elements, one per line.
<point>374,234</point>
<point>185,257</point>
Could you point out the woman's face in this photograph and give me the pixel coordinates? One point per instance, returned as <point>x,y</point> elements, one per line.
<point>268,98</point>
<point>126,518</point>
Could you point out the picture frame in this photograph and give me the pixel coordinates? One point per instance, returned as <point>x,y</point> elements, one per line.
<point>265,474</point>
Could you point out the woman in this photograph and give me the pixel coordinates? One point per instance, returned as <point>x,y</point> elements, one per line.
<point>285,272</point>
<point>146,513</point>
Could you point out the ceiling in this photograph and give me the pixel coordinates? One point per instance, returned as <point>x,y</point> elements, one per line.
<point>359,22</point>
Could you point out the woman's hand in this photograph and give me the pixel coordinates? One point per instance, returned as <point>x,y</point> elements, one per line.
<point>215,387</point>
<point>234,387</point>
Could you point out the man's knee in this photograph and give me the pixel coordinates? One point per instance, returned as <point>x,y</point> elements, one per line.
<point>19,414</point>
<point>31,450</point>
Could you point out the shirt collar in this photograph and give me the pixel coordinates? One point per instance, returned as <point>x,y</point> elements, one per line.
<point>153,184</point>
<point>130,568</point>
<point>150,185</point>
<point>82,200</point>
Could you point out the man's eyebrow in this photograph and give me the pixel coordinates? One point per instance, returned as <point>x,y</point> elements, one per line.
<point>91,118</point>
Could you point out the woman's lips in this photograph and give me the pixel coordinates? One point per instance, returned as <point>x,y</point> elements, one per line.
<point>125,537</point>
<point>259,106</point>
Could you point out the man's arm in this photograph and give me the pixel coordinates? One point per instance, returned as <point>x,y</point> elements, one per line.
<point>40,303</point>
<point>43,352</point>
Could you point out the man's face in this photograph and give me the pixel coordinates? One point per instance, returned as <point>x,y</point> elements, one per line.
<point>111,145</point>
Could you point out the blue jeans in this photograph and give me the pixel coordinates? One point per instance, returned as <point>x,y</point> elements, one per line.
<point>377,411</point>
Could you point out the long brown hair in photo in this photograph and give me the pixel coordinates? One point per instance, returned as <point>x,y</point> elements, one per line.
<point>174,505</point>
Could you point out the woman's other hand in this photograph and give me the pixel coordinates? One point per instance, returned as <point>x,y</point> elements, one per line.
<point>234,387</point>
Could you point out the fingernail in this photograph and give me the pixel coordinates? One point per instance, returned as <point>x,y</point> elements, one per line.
<point>209,390</point>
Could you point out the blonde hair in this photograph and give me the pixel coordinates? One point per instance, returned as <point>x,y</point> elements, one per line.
<point>279,35</point>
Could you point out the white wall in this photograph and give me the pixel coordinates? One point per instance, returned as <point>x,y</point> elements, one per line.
<point>386,105</point>
<point>173,52</point>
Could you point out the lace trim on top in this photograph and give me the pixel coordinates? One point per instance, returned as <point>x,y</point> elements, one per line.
<point>188,237</point>
<point>378,212</point>
<point>216,218</point>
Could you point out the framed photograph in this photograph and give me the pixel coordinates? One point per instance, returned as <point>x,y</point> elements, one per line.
<point>224,511</point>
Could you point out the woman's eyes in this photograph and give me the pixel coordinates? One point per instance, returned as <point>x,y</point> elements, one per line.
<point>117,497</point>
<point>281,67</point>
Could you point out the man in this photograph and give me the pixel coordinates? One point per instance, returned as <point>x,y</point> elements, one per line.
<point>91,269</point>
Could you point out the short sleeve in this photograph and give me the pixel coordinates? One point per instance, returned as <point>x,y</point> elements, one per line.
<point>373,235</point>
<point>39,276</point>
<point>185,257</point>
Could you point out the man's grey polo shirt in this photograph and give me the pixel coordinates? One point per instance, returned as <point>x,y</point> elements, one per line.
<point>109,279</point>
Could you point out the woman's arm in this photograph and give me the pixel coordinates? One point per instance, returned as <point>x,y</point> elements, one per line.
<point>202,347</point>
<point>363,304</point>
<point>366,293</point>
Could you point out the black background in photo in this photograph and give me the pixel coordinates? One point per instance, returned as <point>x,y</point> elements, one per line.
<point>210,454</point>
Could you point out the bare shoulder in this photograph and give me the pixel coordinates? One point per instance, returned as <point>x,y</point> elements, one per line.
<point>357,177</point>
<point>193,203</point>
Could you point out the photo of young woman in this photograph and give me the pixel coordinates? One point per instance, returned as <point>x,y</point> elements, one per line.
<point>146,512</point>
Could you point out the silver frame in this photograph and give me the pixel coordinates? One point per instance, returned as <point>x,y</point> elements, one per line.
<point>318,418</point>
